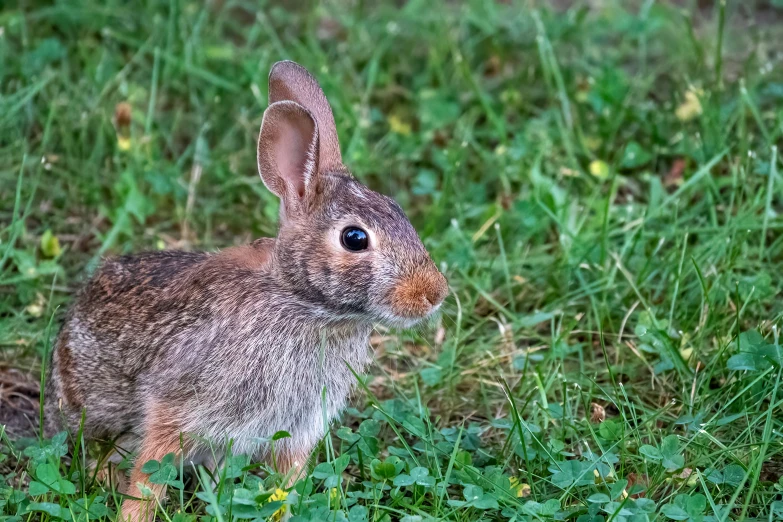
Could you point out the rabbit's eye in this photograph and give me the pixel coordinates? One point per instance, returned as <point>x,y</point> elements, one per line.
<point>354,239</point>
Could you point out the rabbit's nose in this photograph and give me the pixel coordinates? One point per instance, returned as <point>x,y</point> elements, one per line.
<point>418,295</point>
<point>437,289</point>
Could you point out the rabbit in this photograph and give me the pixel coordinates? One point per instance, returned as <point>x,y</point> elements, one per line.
<point>181,347</point>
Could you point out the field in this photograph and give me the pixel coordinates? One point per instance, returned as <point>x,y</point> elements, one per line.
<point>600,183</point>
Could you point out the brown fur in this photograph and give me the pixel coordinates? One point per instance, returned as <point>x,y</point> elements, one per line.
<point>293,462</point>
<point>255,256</point>
<point>163,437</point>
<point>415,295</point>
<point>70,385</point>
<point>240,344</point>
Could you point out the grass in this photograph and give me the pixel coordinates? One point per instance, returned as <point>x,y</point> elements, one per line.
<point>600,184</point>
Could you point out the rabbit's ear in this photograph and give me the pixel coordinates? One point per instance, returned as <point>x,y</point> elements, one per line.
<point>291,81</point>
<point>288,151</point>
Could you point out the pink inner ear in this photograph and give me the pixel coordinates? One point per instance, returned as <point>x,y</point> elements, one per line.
<point>292,154</point>
<point>290,81</point>
<point>288,151</point>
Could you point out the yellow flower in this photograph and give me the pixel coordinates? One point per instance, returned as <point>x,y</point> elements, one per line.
<point>334,494</point>
<point>399,126</point>
<point>521,490</point>
<point>599,169</point>
<point>280,495</point>
<point>123,143</point>
<point>690,108</point>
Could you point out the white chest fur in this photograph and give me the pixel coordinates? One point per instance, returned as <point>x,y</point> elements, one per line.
<point>297,381</point>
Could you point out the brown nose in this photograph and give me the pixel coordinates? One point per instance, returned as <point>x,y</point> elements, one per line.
<point>437,288</point>
<point>417,295</point>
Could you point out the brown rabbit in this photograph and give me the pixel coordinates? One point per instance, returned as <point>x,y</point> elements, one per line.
<point>239,344</point>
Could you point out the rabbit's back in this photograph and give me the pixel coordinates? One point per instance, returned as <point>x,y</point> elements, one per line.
<point>123,321</point>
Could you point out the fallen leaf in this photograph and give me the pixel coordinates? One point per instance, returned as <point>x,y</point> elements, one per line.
<point>328,28</point>
<point>674,176</point>
<point>50,244</point>
<point>492,66</point>
<point>597,413</point>
<point>122,114</point>
<point>635,479</point>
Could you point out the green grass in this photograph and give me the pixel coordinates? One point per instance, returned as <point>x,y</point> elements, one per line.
<point>614,247</point>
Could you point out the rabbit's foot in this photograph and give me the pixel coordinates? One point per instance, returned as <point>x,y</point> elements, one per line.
<point>161,438</point>
<point>138,510</point>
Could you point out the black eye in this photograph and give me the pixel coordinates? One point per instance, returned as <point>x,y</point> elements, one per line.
<point>354,239</point>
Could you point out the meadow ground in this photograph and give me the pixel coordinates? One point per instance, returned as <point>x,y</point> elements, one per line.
<point>600,183</point>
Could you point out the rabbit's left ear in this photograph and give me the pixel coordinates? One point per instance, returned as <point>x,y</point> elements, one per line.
<point>290,81</point>
<point>288,152</point>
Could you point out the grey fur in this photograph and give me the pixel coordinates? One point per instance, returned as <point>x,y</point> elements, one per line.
<point>240,344</point>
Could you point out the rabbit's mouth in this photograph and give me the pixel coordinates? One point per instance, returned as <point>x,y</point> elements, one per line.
<point>419,296</point>
<point>409,307</point>
<point>398,321</point>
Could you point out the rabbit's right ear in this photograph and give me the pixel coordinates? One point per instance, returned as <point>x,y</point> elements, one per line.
<point>290,81</point>
<point>288,151</point>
